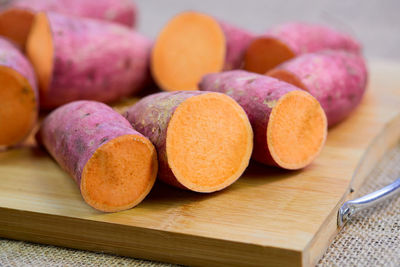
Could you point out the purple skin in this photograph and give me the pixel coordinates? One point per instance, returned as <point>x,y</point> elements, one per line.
<point>257,94</point>
<point>11,57</point>
<point>305,38</point>
<point>150,116</point>
<point>73,132</point>
<point>237,41</point>
<point>95,60</point>
<point>337,79</point>
<point>119,11</point>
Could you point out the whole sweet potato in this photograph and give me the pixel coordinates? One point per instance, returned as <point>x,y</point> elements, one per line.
<point>16,20</point>
<point>78,58</point>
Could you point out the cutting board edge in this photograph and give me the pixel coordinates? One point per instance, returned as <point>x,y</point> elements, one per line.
<point>381,143</point>
<point>184,249</point>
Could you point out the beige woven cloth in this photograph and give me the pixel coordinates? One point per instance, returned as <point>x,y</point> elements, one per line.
<point>371,239</point>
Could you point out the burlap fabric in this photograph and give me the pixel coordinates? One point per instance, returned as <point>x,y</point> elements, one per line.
<point>371,239</point>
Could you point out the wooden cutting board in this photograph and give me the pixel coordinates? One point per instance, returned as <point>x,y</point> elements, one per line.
<point>269,217</point>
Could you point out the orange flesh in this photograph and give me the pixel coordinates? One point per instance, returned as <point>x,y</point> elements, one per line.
<point>264,54</point>
<point>191,45</point>
<point>15,25</point>
<point>287,76</point>
<point>18,108</point>
<point>119,174</point>
<point>40,50</point>
<point>296,130</point>
<point>209,142</point>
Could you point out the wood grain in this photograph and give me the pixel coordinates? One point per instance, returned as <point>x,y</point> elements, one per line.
<point>269,217</point>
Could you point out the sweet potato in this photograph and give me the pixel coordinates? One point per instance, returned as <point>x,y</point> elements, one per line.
<point>18,95</point>
<point>284,42</point>
<point>16,20</point>
<point>289,124</point>
<point>337,79</point>
<point>114,166</point>
<point>193,44</point>
<point>203,139</point>
<point>79,58</point>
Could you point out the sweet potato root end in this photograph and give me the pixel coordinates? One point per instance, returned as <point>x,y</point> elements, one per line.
<point>265,53</point>
<point>209,142</point>
<point>15,24</point>
<point>18,110</point>
<point>191,45</point>
<point>297,130</point>
<point>120,173</point>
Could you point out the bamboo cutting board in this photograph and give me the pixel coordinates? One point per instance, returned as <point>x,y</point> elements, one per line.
<point>269,217</point>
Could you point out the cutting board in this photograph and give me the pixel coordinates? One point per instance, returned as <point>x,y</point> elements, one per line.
<point>268,217</point>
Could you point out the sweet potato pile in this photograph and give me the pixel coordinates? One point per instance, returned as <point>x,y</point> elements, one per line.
<point>231,95</point>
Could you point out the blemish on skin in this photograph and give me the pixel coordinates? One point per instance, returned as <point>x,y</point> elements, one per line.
<point>248,78</point>
<point>241,92</point>
<point>248,82</point>
<point>103,140</point>
<point>80,146</point>
<point>351,70</point>
<point>85,115</point>
<point>307,76</point>
<point>217,83</point>
<point>270,103</point>
<point>91,75</point>
<point>127,63</point>
<point>25,90</point>
<point>76,167</point>
<point>229,92</point>
<point>110,14</point>
<point>97,124</point>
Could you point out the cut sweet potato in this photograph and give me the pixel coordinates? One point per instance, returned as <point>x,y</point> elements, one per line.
<point>16,20</point>
<point>15,24</point>
<point>114,166</point>
<point>289,124</point>
<point>78,58</point>
<point>204,140</point>
<point>284,42</point>
<point>18,96</point>
<point>193,44</point>
<point>337,79</point>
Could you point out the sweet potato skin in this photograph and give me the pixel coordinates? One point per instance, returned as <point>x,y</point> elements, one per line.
<point>305,38</point>
<point>150,116</point>
<point>337,79</point>
<point>95,60</point>
<point>119,11</point>
<point>237,40</point>
<point>11,57</point>
<point>256,95</point>
<point>73,132</point>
